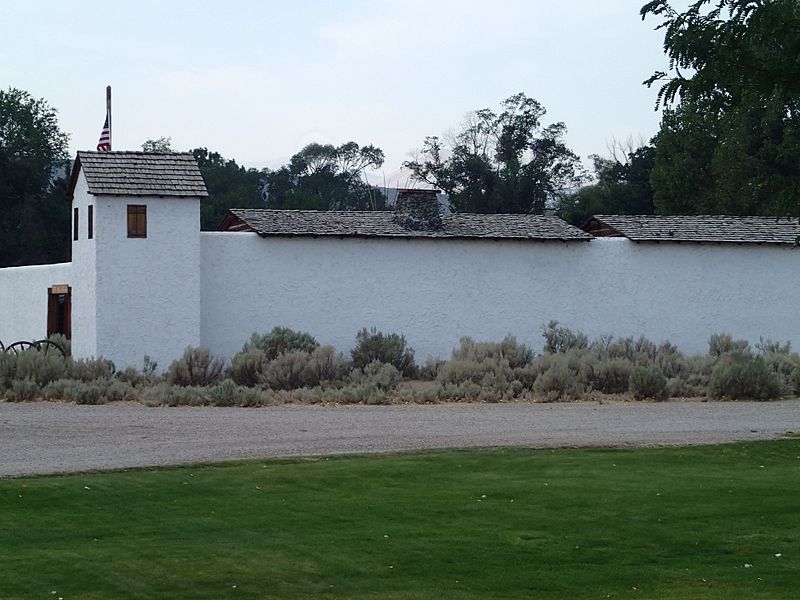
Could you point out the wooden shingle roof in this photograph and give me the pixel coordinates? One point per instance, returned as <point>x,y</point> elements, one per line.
<point>140,174</point>
<point>697,228</point>
<point>382,224</point>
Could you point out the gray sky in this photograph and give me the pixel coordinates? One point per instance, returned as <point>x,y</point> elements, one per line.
<point>257,81</point>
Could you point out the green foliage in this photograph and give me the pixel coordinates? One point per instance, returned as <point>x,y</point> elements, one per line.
<point>502,163</point>
<point>372,345</point>
<point>383,376</point>
<point>723,343</point>
<point>610,376</point>
<point>516,354</point>
<point>229,186</point>
<point>622,188</point>
<point>326,177</point>
<point>732,143</point>
<point>90,369</point>
<point>34,212</point>
<point>795,380</point>
<point>22,390</point>
<point>561,339</point>
<point>559,377</point>
<point>196,368</point>
<point>41,367</point>
<point>162,144</point>
<point>280,341</point>
<point>247,367</point>
<point>742,376</point>
<point>648,382</point>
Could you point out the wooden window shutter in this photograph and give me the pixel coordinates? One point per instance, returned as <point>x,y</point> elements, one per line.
<point>75,223</point>
<point>90,223</point>
<point>137,221</point>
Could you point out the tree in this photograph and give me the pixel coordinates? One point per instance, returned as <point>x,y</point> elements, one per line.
<point>229,186</point>
<point>501,163</point>
<point>34,210</point>
<point>326,177</point>
<point>162,144</point>
<point>622,187</point>
<point>732,143</point>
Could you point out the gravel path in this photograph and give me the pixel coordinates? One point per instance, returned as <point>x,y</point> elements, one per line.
<point>49,438</point>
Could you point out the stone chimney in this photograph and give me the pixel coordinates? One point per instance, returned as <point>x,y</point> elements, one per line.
<point>418,210</point>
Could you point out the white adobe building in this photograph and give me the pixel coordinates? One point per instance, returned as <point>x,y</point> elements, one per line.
<point>144,280</point>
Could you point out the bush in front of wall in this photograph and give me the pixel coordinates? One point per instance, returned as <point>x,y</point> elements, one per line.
<point>742,376</point>
<point>282,340</point>
<point>197,367</point>
<point>609,376</point>
<point>373,345</point>
<point>22,390</point>
<point>559,377</point>
<point>560,339</point>
<point>516,354</point>
<point>722,343</point>
<point>795,381</point>
<point>648,383</point>
<point>41,367</point>
<point>382,376</point>
<point>247,367</point>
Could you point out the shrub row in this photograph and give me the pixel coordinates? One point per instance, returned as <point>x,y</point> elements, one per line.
<point>289,366</point>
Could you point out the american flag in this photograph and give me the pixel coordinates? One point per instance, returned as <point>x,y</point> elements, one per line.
<point>104,145</point>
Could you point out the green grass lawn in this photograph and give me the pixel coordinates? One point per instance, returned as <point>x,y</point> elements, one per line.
<point>703,522</point>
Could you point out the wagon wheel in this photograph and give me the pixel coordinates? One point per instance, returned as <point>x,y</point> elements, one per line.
<point>49,346</point>
<point>18,347</point>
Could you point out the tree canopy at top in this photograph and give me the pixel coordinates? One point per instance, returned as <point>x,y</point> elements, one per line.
<point>731,144</point>
<point>34,211</point>
<point>506,162</point>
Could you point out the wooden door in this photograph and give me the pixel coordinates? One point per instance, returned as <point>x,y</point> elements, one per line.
<point>59,310</point>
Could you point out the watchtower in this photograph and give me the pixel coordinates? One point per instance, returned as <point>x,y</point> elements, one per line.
<point>135,255</point>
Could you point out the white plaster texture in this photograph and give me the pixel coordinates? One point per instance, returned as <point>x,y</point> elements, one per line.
<point>435,291</point>
<point>148,289</point>
<point>23,300</point>
<point>84,267</point>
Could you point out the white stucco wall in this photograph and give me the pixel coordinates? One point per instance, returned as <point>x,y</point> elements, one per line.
<point>84,257</point>
<point>148,289</point>
<point>436,291</point>
<point>23,300</point>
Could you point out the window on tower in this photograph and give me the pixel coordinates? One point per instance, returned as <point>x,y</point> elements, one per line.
<point>137,221</point>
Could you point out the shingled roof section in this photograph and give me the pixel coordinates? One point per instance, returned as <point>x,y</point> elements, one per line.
<point>697,228</point>
<point>382,224</point>
<point>140,174</point>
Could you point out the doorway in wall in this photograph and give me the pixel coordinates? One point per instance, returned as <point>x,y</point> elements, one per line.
<point>59,310</point>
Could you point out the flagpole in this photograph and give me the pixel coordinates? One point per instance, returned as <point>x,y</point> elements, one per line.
<point>108,112</point>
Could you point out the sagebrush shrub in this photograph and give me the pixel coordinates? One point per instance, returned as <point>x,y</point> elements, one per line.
<point>795,381</point>
<point>560,339</point>
<point>41,367</point>
<point>287,371</point>
<point>508,349</point>
<point>647,382</point>
<point>610,375</point>
<point>197,367</point>
<point>282,340</point>
<point>92,369</point>
<point>742,376</point>
<point>383,376</point>
<point>326,364</point>
<point>373,345</point>
<point>23,390</point>
<point>723,343</point>
<point>247,367</point>
<point>559,378</point>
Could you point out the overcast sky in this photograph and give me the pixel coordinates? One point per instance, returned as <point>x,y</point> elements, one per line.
<point>257,81</point>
